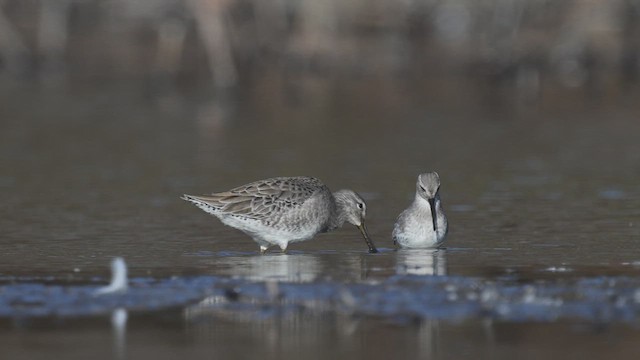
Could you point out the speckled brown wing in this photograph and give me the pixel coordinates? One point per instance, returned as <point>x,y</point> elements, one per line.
<point>263,198</point>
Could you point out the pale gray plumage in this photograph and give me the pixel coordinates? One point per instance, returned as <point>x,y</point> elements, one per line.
<point>282,210</point>
<point>423,224</point>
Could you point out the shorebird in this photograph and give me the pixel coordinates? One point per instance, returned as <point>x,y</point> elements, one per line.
<point>282,210</point>
<point>423,224</point>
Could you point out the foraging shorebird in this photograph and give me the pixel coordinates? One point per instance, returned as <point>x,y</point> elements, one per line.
<point>282,210</point>
<point>423,224</point>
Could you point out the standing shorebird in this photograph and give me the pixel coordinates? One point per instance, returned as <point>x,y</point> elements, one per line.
<point>423,224</point>
<point>282,210</point>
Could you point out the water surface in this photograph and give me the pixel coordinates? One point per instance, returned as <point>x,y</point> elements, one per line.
<point>105,123</point>
<point>543,214</point>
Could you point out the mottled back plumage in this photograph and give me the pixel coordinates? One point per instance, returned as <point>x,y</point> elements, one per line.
<point>281,210</point>
<point>260,199</point>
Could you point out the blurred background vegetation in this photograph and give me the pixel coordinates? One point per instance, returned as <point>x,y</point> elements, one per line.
<point>489,54</point>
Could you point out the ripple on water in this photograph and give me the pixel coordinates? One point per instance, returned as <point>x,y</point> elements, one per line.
<point>612,194</point>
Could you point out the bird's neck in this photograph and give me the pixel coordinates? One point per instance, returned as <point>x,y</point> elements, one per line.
<point>338,214</point>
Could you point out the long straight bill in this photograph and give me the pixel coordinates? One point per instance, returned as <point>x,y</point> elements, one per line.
<point>434,218</point>
<point>367,239</point>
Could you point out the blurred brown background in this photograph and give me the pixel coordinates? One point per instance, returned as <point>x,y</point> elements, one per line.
<point>496,54</point>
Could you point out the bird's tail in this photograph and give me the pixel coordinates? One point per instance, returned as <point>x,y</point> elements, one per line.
<point>201,203</point>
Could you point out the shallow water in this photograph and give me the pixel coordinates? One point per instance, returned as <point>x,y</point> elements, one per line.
<point>539,262</point>
<point>528,113</point>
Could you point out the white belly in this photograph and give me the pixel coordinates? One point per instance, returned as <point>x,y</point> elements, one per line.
<point>416,232</point>
<point>266,235</point>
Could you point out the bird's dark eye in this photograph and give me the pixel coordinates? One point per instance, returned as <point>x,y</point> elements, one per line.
<point>360,205</point>
<point>423,189</point>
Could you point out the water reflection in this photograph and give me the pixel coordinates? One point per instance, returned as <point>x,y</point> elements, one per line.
<point>421,262</point>
<point>290,336</point>
<point>269,267</point>
<point>298,267</point>
<point>119,319</point>
<point>429,339</point>
<point>294,333</point>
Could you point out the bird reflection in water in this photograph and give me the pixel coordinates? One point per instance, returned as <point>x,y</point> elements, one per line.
<point>279,267</point>
<point>421,262</point>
